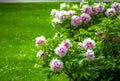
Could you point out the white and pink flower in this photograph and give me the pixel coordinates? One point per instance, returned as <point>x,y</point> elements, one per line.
<point>66,43</point>
<point>86,9</point>
<point>76,20</point>
<point>110,12</point>
<point>40,40</point>
<point>63,15</point>
<point>90,55</point>
<point>100,7</point>
<point>54,13</point>
<point>89,43</point>
<point>80,45</point>
<point>85,18</point>
<point>56,65</point>
<point>116,6</point>
<point>61,51</point>
<point>40,53</point>
<point>94,9</point>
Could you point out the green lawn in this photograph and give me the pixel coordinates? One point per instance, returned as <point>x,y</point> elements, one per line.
<point>20,23</point>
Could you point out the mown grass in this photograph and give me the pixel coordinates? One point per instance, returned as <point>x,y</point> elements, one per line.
<point>20,23</point>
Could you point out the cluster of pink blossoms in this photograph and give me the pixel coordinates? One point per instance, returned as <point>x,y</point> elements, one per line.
<point>84,18</point>
<point>86,12</point>
<point>59,16</point>
<point>94,9</point>
<point>62,49</point>
<point>88,44</point>
<point>114,8</point>
<point>78,20</point>
<point>56,65</point>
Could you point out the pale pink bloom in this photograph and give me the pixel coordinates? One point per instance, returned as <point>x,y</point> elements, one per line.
<point>40,53</point>
<point>63,15</point>
<point>89,43</point>
<point>80,45</point>
<point>64,6</point>
<point>56,22</point>
<point>76,20</point>
<point>100,7</point>
<point>90,55</point>
<point>104,36</point>
<point>86,9</point>
<point>54,13</point>
<point>85,18</point>
<point>98,33</point>
<point>60,50</point>
<point>94,9</point>
<point>40,40</point>
<point>56,65</point>
<point>116,6</point>
<point>110,12</point>
<point>66,43</point>
<point>71,13</point>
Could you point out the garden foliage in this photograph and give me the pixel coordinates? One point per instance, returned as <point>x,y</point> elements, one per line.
<point>87,44</point>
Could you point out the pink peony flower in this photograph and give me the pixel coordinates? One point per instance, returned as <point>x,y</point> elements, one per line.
<point>60,51</point>
<point>63,15</point>
<point>86,9</point>
<point>54,13</point>
<point>71,13</point>
<point>40,53</point>
<point>98,33</point>
<point>88,43</point>
<point>56,65</point>
<point>116,6</point>
<point>66,43</point>
<point>90,55</point>
<point>110,12</point>
<point>94,9</point>
<point>76,20</point>
<point>85,18</point>
<point>80,45</point>
<point>40,40</point>
<point>100,7</point>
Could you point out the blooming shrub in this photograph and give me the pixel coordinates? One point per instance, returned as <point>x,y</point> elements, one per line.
<point>87,45</point>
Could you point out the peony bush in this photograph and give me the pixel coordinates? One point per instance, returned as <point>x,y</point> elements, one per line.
<point>87,44</point>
